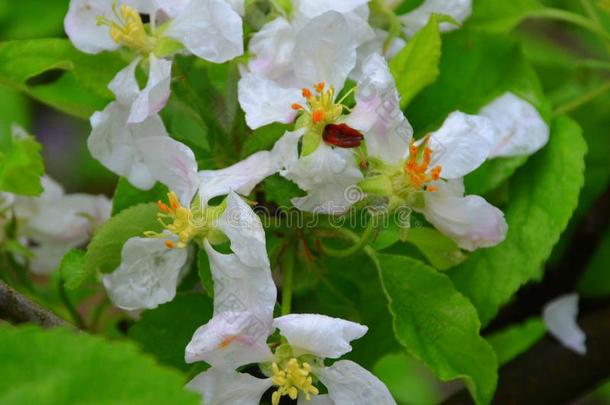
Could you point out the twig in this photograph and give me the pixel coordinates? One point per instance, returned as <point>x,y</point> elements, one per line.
<point>551,374</point>
<point>17,308</point>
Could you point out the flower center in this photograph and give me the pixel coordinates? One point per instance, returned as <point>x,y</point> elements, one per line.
<point>291,379</point>
<point>128,29</point>
<point>417,169</point>
<point>321,108</point>
<point>187,224</point>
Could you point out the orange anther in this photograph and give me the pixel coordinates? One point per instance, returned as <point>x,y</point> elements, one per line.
<point>170,244</point>
<point>173,200</point>
<point>436,172</point>
<point>320,87</point>
<point>432,189</point>
<point>307,93</point>
<point>163,207</point>
<point>413,151</point>
<point>317,116</point>
<point>227,342</point>
<point>297,106</point>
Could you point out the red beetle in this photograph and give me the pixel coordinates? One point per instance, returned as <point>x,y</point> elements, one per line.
<point>342,136</point>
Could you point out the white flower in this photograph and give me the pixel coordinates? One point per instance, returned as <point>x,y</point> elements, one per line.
<point>415,20</point>
<point>520,130</point>
<point>560,319</point>
<point>56,222</point>
<point>151,267</point>
<point>143,152</point>
<point>231,340</point>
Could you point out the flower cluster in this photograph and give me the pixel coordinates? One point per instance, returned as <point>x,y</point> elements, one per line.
<point>319,67</point>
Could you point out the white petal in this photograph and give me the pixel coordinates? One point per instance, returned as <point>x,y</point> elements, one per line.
<point>124,85</point>
<point>560,317</point>
<point>47,256</point>
<point>272,49</point>
<point>415,20</point>
<point>224,387</point>
<point>113,143</point>
<point>328,175</point>
<point>171,7</point>
<point>462,144</point>
<point>239,287</point>
<point>378,115</point>
<point>323,399</point>
<point>210,29</point>
<point>154,96</point>
<point>148,274</point>
<point>245,232</point>
<point>80,25</point>
<point>375,45</point>
<point>320,335</point>
<point>348,383</point>
<point>230,340</point>
<point>314,8</point>
<point>265,102</point>
<point>238,6</point>
<point>520,130</point>
<point>171,163</point>
<point>325,51</point>
<point>242,177</point>
<point>470,221</point>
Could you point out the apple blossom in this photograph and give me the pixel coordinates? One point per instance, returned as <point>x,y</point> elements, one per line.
<point>560,319</point>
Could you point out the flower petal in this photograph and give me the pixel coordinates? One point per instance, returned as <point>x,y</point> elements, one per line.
<point>171,163</point>
<point>148,275</point>
<point>325,51</point>
<point>319,335</point>
<point>272,49</point>
<point>210,29</point>
<point>471,221</point>
<point>461,144</point>
<point>348,383</point>
<point>378,115</point>
<point>222,387</point>
<point>81,26</point>
<point>265,102</point>
<point>154,96</point>
<point>323,399</point>
<point>113,143</point>
<point>520,130</point>
<point>314,8</point>
<point>415,20</point>
<point>242,177</point>
<point>47,255</point>
<point>124,85</point>
<point>560,317</point>
<point>230,340</point>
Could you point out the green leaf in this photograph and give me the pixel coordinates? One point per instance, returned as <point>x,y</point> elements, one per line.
<point>544,194</point>
<point>72,269</point>
<point>416,66</point>
<point>438,325</point>
<point>14,111</point>
<point>22,19</point>
<point>501,16</point>
<point>596,280</point>
<point>442,252</point>
<point>165,331</point>
<point>59,366</point>
<point>55,73</point>
<point>492,174</point>
<point>104,251</point>
<point>126,195</point>
<point>511,342</point>
<point>205,272</point>
<point>21,166</point>
<point>262,139</point>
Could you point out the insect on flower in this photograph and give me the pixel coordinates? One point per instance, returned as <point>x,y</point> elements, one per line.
<point>342,136</point>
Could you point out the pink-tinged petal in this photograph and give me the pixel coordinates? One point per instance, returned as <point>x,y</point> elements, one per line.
<point>415,20</point>
<point>124,85</point>
<point>209,29</point>
<point>314,8</point>
<point>265,102</point>
<point>349,383</point>
<point>154,96</point>
<point>377,114</point>
<point>520,130</point>
<point>462,144</point>
<point>325,51</point>
<point>470,221</point>
<point>81,27</point>
<point>148,275</point>
<point>319,335</point>
<point>272,49</point>
<point>560,317</point>
<point>223,387</point>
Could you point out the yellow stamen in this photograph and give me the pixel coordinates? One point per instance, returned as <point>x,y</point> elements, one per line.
<point>291,379</point>
<point>129,30</point>
<point>322,108</point>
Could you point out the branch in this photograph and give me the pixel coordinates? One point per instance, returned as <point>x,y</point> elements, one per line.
<point>551,374</point>
<point>17,308</point>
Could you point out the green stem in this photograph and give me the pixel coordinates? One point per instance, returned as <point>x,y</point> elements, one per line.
<point>570,17</point>
<point>97,314</point>
<point>358,245</point>
<point>288,270</point>
<point>582,100</point>
<point>63,294</point>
